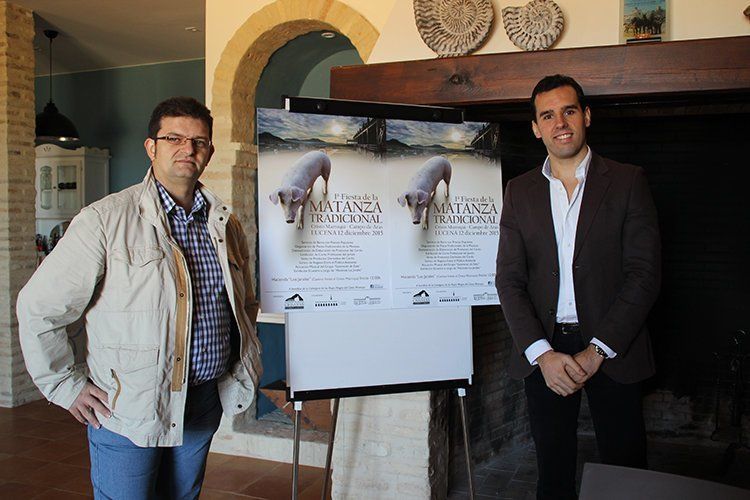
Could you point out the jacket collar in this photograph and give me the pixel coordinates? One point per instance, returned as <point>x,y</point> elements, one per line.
<point>151,209</point>
<point>597,183</point>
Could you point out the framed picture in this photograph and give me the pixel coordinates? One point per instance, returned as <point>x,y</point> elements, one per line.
<point>643,20</point>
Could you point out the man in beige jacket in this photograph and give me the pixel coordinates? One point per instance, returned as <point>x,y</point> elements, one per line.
<point>160,273</point>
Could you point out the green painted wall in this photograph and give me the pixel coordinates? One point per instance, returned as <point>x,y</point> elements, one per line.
<point>111,108</point>
<point>302,67</point>
<point>318,81</point>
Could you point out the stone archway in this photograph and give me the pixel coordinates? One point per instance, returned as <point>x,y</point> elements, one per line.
<point>236,78</point>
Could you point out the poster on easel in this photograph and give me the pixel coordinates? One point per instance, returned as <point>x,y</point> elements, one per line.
<point>445,193</point>
<point>323,231</point>
<point>369,212</point>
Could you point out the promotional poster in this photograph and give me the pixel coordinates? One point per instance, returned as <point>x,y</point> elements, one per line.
<point>446,198</point>
<point>323,230</point>
<point>369,213</point>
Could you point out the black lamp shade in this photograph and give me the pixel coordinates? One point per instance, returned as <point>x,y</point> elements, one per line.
<point>53,126</point>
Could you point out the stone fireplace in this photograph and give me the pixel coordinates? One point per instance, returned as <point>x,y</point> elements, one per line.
<point>680,110</point>
<point>693,155</point>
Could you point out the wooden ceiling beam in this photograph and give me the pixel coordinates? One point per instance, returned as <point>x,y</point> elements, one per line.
<point>648,69</point>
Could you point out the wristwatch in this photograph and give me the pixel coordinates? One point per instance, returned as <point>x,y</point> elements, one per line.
<point>599,351</point>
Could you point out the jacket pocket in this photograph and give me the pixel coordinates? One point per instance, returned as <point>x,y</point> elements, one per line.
<point>134,278</point>
<point>138,256</point>
<point>133,370</point>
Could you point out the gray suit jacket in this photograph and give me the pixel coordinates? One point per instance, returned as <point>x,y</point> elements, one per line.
<point>616,265</point>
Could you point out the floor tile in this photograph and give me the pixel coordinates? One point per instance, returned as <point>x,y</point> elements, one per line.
<point>236,475</point>
<point>273,488</point>
<point>60,495</point>
<point>53,451</point>
<point>209,494</point>
<point>13,490</point>
<point>13,445</point>
<point>313,491</point>
<point>79,481</point>
<point>80,459</point>
<point>54,475</point>
<point>18,468</point>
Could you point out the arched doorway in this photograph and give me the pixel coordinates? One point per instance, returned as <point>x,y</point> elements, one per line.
<point>236,84</point>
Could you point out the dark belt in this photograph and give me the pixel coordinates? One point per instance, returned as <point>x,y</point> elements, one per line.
<point>567,328</point>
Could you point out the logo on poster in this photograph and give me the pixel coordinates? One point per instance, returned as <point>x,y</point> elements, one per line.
<point>421,298</point>
<point>294,302</point>
<point>450,299</point>
<point>327,303</point>
<point>366,301</point>
<point>486,296</point>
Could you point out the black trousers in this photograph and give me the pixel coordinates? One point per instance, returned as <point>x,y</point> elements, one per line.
<point>617,413</point>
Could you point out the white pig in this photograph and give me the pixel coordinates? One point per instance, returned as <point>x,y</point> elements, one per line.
<point>297,183</point>
<point>422,188</point>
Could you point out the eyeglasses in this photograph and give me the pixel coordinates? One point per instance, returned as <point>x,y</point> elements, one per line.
<point>178,140</point>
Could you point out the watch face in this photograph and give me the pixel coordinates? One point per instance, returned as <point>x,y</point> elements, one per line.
<point>600,351</point>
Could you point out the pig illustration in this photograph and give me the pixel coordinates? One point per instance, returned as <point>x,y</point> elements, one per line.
<point>422,188</point>
<point>298,182</point>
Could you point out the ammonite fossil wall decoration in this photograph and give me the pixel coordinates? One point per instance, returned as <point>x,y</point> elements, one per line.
<point>453,27</point>
<point>535,26</point>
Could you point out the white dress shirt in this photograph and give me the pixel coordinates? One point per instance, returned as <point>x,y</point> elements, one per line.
<point>565,219</point>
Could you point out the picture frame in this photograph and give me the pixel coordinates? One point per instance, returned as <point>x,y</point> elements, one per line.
<point>643,21</point>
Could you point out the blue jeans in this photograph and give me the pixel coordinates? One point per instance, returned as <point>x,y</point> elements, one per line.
<point>120,470</point>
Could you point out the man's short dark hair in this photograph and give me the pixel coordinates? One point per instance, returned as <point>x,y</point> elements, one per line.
<point>180,106</point>
<point>552,82</point>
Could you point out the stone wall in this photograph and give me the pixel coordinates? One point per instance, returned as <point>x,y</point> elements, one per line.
<point>17,192</point>
<point>391,446</point>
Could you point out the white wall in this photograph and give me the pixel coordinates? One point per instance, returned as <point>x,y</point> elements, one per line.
<point>587,23</point>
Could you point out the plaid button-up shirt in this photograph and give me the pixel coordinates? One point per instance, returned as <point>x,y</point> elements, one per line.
<point>210,347</point>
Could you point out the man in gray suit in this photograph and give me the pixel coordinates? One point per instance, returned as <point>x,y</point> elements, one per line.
<point>578,270</point>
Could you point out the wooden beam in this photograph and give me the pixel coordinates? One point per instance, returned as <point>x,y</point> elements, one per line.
<point>708,65</point>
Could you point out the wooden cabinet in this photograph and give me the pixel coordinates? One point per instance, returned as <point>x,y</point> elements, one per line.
<point>66,181</point>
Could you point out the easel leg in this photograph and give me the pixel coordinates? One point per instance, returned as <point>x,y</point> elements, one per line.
<point>467,445</point>
<point>295,460</point>
<point>329,456</point>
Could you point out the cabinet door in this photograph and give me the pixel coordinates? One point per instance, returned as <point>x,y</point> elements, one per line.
<point>58,187</point>
<point>44,190</point>
<point>68,176</point>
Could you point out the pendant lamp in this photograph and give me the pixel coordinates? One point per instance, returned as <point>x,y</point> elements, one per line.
<point>51,125</point>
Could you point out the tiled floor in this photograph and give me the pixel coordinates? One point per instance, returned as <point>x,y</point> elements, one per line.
<point>44,455</point>
<point>512,475</point>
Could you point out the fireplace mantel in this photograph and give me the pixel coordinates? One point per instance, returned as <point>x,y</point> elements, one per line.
<point>622,72</point>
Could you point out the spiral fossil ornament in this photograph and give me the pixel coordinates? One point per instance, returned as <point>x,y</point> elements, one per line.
<point>453,27</point>
<point>535,26</point>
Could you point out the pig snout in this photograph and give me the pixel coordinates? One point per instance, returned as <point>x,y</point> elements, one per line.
<point>290,212</point>
<point>416,214</point>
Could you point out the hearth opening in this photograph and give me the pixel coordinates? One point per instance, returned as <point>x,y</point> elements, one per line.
<point>694,151</point>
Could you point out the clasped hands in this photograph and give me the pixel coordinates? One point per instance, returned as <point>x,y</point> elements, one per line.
<point>565,374</point>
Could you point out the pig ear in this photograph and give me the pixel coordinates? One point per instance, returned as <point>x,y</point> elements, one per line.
<point>421,196</point>
<point>297,194</point>
<point>274,197</point>
<point>402,200</point>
